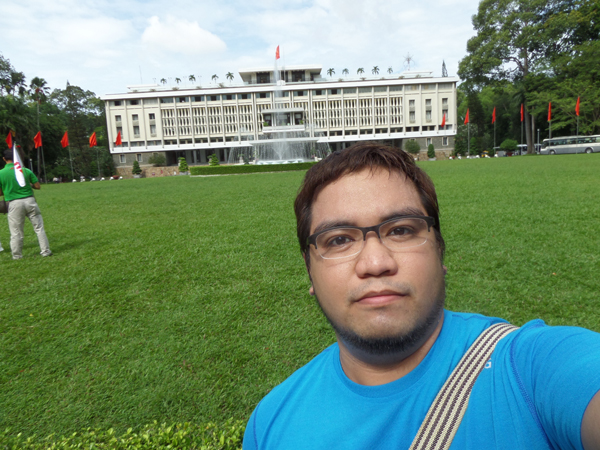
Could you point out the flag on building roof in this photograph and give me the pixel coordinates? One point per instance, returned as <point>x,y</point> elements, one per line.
<point>37,139</point>
<point>93,141</point>
<point>494,115</point>
<point>521,112</point>
<point>18,167</point>
<point>467,117</point>
<point>65,140</point>
<point>277,53</point>
<point>549,111</point>
<point>443,121</point>
<point>577,107</point>
<point>9,139</point>
<point>119,141</point>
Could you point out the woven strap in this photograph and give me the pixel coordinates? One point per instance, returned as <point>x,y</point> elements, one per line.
<point>448,408</point>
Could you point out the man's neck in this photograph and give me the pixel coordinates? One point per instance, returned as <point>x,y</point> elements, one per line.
<point>373,371</point>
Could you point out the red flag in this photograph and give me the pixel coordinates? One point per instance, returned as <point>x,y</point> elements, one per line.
<point>521,112</point>
<point>9,139</point>
<point>119,141</point>
<point>467,117</point>
<point>277,53</point>
<point>577,107</point>
<point>494,115</point>
<point>549,111</point>
<point>37,139</point>
<point>93,141</point>
<point>443,121</point>
<point>65,140</point>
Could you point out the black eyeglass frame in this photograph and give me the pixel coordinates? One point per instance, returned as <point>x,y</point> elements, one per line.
<point>312,239</point>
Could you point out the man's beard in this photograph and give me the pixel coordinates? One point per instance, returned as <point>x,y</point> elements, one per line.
<point>394,344</point>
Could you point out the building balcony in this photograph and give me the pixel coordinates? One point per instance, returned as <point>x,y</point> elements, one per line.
<point>283,128</point>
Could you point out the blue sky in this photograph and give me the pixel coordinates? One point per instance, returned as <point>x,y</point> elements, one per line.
<point>106,45</point>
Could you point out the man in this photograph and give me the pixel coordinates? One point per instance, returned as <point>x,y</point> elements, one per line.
<point>369,232</point>
<point>21,204</point>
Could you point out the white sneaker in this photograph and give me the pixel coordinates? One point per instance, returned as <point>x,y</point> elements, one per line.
<point>1,249</point>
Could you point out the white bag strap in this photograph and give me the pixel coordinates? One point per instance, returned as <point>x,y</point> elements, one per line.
<point>448,408</point>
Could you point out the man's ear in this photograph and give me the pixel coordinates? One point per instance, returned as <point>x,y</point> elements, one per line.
<point>311,290</point>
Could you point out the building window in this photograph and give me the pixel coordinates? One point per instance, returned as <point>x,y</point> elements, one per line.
<point>411,117</point>
<point>199,99</point>
<point>264,77</point>
<point>117,103</point>
<point>334,91</point>
<point>263,95</point>
<point>428,142</point>
<point>229,97</point>
<point>151,116</point>
<point>213,98</point>
<point>183,99</point>
<point>319,92</point>
<point>136,131</point>
<point>153,130</point>
<point>428,116</point>
<point>299,93</point>
<point>134,117</point>
<point>139,157</point>
<point>445,141</point>
<point>243,96</point>
<point>167,100</point>
<point>120,130</point>
<point>122,159</point>
<point>134,102</point>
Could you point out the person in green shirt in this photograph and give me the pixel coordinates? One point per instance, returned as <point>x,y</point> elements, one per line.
<point>21,204</point>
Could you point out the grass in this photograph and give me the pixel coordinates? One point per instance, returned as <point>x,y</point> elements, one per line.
<point>185,299</point>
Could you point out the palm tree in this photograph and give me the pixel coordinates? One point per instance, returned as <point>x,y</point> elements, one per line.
<point>215,77</point>
<point>390,70</point>
<point>177,80</point>
<point>360,71</point>
<point>375,70</point>
<point>192,78</point>
<point>163,80</point>
<point>345,72</point>
<point>330,72</point>
<point>39,88</point>
<point>229,76</point>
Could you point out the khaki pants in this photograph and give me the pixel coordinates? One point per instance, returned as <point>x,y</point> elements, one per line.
<point>17,211</point>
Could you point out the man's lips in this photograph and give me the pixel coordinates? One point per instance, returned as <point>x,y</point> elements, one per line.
<point>378,298</point>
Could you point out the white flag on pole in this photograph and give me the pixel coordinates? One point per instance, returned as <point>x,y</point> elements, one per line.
<point>18,167</point>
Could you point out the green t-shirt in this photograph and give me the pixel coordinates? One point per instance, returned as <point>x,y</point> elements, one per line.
<point>10,185</point>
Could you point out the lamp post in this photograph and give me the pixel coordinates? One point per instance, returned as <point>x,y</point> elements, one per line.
<point>538,137</point>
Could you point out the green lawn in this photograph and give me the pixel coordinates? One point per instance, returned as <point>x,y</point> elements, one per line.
<point>185,299</point>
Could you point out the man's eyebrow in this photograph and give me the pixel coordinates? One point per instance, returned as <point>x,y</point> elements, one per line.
<point>410,211</point>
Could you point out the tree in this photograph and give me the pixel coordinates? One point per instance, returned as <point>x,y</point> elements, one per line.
<point>163,80</point>
<point>444,70</point>
<point>229,76</point>
<point>213,160</point>
<point>192,78</point>
<point>390,70</point>
<point>375,70</point>
<point>509,145</point>
<point>412,146</point>
<point>345,72</point>
<point>215,77</point>
<point>157,159</point>
<point>360,71</point>
<point>330,72</point>
<point>177,80</point>
<point>183,165</point>
<point>511,42</point>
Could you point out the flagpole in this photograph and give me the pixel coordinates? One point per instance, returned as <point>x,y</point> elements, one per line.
<point>71,159</point>
<point>469,139</point>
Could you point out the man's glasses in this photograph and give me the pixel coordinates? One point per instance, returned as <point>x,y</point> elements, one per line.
<point>396,234</point>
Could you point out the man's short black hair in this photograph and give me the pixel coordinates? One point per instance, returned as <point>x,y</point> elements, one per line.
<point>8,154</point>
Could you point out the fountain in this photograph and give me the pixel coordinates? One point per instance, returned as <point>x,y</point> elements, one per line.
<point>285,137</point>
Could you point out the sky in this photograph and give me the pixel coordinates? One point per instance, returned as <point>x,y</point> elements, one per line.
<point>105,45</point>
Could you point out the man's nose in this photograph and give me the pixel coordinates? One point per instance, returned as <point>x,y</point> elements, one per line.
<point>375,259</point>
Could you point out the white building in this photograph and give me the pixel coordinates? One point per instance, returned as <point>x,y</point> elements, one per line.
<point>196,121</point>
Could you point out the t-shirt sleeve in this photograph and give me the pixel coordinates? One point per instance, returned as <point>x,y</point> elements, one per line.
<point>31,176</point>
<point>250,433</point>
<point>558,369</point>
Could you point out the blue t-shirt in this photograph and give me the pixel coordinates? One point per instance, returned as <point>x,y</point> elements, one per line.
<point>532,394</point>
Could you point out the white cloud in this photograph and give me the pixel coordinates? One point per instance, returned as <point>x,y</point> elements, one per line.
<point>180,36</point>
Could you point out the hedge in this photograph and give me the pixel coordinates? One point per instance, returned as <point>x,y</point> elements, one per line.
<point>154,436</point>
<point>249,168</point>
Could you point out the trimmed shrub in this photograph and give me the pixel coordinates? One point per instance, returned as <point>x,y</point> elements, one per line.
<point>158,159</point>
<point>250,168</point>
<point>183,165</point>
<point>412,146</point>
<point>509,145</point>
<point>431,151</point>
<point>213,160</point>
<point>136,168</point>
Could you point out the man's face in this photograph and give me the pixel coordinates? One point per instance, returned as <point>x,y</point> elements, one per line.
<point>378,298</point>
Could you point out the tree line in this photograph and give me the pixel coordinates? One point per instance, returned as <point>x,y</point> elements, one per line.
<point>530,52</point>
<point>26,108</point>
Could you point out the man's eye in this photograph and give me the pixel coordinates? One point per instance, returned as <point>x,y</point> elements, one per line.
<point>338,241</point>
<point>401,232</point>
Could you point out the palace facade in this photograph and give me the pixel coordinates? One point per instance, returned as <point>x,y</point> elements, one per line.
<point>196,122</point>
